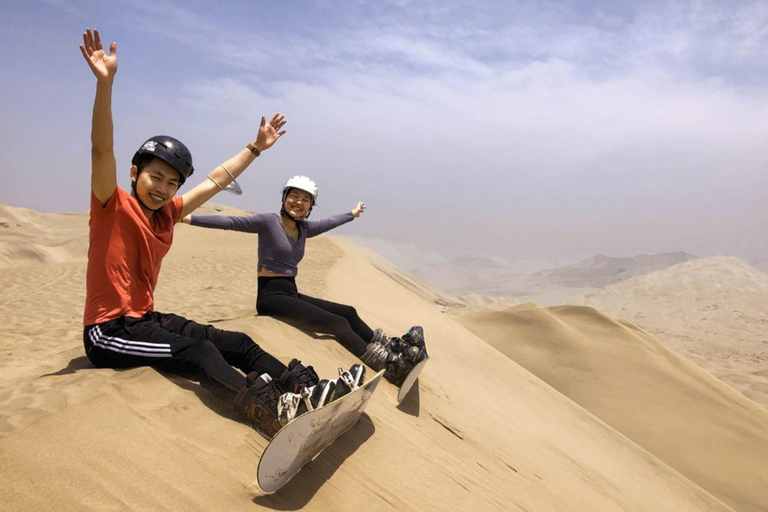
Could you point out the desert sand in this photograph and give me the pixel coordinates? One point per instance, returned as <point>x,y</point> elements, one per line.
<point>480,433</point>
<point>658,399</point>
<point>712,310</point>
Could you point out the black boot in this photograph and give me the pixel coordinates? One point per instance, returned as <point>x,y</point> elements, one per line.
<point>257,403</point>
<point>412,345</point>
<point>316,396</point>
<point>376,355</point>
<point>298,377</point>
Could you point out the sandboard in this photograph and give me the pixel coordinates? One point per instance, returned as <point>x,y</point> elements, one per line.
<point>414,336</point>
<point>304,438</point>
<point>410,380</point>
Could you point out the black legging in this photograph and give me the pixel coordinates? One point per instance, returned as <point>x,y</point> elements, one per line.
<point>279,297</point>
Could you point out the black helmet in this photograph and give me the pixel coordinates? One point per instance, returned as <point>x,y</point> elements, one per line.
<point>172,151</point>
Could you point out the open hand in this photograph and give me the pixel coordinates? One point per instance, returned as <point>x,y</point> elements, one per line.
<point>270,132</point>
<point>357,210</point>
<point>103,66</point>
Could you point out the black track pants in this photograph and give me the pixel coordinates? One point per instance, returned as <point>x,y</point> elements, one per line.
<point>174,344</point>
<point>279,297</point>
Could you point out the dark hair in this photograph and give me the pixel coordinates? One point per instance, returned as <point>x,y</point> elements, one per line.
<point>142,161</point>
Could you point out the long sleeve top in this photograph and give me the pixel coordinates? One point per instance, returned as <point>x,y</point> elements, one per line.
<point>278,252</point>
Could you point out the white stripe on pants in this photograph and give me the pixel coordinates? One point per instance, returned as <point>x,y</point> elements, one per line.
<point>135,348</point>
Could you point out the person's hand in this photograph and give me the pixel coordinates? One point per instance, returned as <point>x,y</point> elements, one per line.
<point>357,210</point>
<point>270,132</point>
<point>103,66</point>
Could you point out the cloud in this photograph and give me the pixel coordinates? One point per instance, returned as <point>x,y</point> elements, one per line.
<point>574,126</point>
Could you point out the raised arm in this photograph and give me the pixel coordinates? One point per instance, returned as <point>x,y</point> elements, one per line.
<point>104,67</point>
<point>254,223</point>
<point>223,175</point>
<point>318,227</point>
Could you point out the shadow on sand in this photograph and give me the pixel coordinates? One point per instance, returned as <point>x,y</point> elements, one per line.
<point>412,402</point>
<point>299,491</point>
<point>76,364</point>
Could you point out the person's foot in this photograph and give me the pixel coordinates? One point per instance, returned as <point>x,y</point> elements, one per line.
<point>298,377</point>
<point>398,366</point>
<point>415,337</point>
<point>258,403</point>
<point>376,355</point>
<point>348,381</point>
<point>407,351</point>
<point>379,336</point>
<point>357,374</point>
<point>412,345</point>
<point>316,396</point>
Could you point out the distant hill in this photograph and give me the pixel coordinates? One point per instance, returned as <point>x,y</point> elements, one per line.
<point>472,274</point>
<point>602,270</point>
<point>476,262</point>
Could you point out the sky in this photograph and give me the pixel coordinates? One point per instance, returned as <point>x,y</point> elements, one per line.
<point>539,130</point>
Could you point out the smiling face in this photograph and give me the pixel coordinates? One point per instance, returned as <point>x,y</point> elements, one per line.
<point>297,203</point>
<point>156,184</point>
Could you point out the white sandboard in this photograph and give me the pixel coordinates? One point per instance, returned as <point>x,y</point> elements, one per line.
<point>410,380</point>
<point>304,438</point>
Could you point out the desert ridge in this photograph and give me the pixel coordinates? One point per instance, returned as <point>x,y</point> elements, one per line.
<point>678,412</point>
<point>481,433</point>
<point>711,310</point>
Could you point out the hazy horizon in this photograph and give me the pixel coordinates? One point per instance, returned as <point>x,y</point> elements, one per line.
<point>524,131</point>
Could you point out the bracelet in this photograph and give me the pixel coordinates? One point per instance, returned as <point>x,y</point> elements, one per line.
<point>227,171</point>
<point>216,182</point>
<point>253,149</point>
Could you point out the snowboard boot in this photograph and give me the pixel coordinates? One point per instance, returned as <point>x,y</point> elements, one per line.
<point>316,396</point>
<point>348,381</point>
<point>379,336</point>
<point>398,366</point>
<point>412,345</point>
<point>357,373</point>
<point>395,358</point>
<point>297,377</point>
<point>415,337</point>
<point>376,355</point>
<point>258,403</point>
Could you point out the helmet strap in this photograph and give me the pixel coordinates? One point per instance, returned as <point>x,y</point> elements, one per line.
<point>287,215</point>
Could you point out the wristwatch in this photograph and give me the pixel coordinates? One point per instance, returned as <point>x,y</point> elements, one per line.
<point>253,149</point>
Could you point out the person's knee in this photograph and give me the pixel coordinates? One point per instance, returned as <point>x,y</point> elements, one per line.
<point>242,338</point>
<point>350,312</point>
<point>200,350</point>
<point>338,324</point>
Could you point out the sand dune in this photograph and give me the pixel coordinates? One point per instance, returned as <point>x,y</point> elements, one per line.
<point>482,433</point>
<point>28,237</point>
<point>628,378</point>
<point>712,310</point>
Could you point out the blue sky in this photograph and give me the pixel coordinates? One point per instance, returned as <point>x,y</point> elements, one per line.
<point>515,129</point>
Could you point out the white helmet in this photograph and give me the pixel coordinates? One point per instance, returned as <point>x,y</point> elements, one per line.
<point>301,183</point>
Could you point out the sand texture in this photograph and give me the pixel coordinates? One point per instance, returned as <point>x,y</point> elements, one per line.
<point>711,310</point>
<point>481,432</point>
<point>625,376</point>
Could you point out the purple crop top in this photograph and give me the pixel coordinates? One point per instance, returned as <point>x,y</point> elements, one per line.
<point>278,252</point>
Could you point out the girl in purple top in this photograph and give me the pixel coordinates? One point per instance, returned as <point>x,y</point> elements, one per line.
<point>282,239</point>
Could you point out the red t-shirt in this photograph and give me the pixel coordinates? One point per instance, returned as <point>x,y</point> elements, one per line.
<point>124,256</point>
